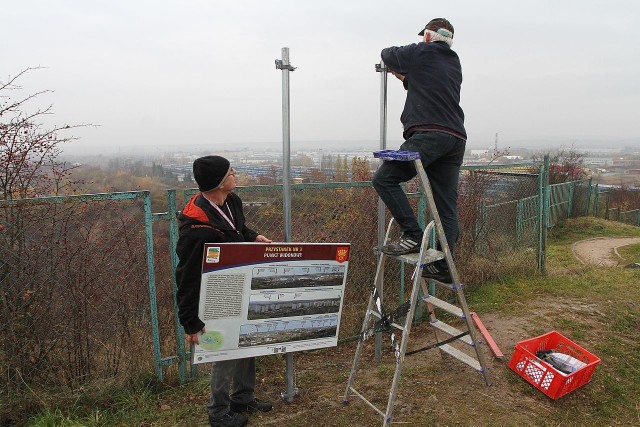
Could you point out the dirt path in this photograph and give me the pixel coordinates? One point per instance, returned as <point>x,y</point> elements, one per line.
<point>602,250</point>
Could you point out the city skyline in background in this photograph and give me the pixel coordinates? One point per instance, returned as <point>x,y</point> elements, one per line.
<point>154,77</point>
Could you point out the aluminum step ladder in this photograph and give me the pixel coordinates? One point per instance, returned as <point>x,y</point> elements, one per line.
<point>449,339</point>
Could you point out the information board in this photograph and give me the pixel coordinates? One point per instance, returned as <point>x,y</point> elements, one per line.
<point>269,298</point>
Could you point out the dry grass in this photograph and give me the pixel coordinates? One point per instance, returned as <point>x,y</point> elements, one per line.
<point>595,307</point>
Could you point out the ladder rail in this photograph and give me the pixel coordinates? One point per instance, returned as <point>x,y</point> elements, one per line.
<point>415,290</point>
<point>444,246</point>
<point>378,285</point>
<point>356,358</point>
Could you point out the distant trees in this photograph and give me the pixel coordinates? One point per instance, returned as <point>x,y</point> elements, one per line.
<point>302,160</point>
<point>138,168</point>
<point>315,175</point>
<point>565,165</point>
<point>360,169</point>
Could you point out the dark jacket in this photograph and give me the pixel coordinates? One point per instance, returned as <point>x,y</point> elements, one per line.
<point>200,223</point>
<point>433,77</point>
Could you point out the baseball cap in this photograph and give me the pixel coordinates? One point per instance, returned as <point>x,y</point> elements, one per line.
<point>436,24</point>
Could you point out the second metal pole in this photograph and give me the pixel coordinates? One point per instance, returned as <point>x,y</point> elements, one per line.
<point>284,65</point>
<point>381,208</point>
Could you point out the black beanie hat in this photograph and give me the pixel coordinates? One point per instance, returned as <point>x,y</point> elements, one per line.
<point>210,171</point>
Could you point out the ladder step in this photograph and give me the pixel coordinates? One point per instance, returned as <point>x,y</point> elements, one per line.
<point>450,330</point>
<point>463,357</point>
<point>450,286</point>
<point>430,256</point>
<point>450,308</point>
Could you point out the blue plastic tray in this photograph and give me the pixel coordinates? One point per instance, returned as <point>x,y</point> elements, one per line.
<point>403,156</point>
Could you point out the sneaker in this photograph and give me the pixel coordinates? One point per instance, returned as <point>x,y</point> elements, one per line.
<point>253,406</point>
<point>406,245</point>
<point>230,419</point>
<point>431,271</point>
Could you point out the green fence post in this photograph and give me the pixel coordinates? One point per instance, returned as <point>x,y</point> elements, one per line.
<point>519,222</point>
<point>588,201</point>
<point>172,211</point>
<point>543,211</point>
<point>153,305</point>
<point>572,188</point>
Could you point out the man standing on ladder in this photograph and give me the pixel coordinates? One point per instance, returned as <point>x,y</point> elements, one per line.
<point>434,127</point>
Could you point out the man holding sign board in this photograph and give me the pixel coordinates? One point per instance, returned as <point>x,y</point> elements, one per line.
<point>215,215</point>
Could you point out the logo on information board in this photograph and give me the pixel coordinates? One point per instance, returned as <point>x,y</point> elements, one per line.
<point>342,254</point>
<point>211,340</point>
<point>213,254</point>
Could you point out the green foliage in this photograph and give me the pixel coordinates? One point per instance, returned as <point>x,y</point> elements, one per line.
<point>114,405</point>
<point>587,227</point>
<point>53,418</point>
<point>631,253</point>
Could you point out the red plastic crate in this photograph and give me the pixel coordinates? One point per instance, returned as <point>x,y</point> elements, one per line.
<point>545,377</point>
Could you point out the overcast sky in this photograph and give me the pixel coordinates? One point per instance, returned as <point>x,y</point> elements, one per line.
<point>165,73</point>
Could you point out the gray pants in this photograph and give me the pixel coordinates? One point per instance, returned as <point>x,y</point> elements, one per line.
<point>238,375</point>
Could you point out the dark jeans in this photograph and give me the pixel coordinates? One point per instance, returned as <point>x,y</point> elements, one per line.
<point>441,155</point>
<point>231,380</point>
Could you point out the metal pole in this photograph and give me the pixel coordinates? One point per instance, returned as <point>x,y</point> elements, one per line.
<point>381,208</point>
<point>284,65</point>
<point>286,141</point>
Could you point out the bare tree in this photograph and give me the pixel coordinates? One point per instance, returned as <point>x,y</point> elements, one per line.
<point>565,165</point>
<point>33,288</point>
<point>29,152</point>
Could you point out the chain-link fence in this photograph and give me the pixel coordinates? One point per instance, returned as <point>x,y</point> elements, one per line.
<point>600,204</point>
<point>621,205</point>
<point>75,272</point>
<point>616,204</point>
<point>74,296</point>
<point>569,200</point>
<point>631,217</point>
<point>499,211</point>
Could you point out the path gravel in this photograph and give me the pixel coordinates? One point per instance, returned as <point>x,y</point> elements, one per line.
<point>602,250</point>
